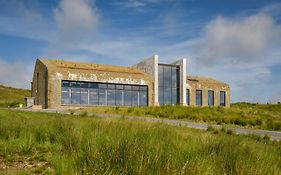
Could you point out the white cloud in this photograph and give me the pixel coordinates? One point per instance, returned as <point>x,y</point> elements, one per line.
<point>15,74</point>
<point>240,52</point>
<point>77,21</point>
<point>234,41</point>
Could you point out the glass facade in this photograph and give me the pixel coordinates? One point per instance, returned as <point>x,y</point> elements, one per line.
<point>210,98</point>
<point>198,97</point>
<point>103,94</point>
<point>222,98</point>
<point>168,84</point>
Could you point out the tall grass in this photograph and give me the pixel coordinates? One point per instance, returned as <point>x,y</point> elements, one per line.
<point>81,145</point>
<point>242,114</point>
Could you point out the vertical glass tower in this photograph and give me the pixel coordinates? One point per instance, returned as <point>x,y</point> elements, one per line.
<point>168,84</point>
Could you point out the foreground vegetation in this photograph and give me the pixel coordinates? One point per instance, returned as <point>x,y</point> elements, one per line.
<point>12,97</point>
<point>80,145</point>
<point>259,116</point>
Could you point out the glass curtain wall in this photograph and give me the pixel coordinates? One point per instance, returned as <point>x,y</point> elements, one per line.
<point>168,84</point>
<point>103,94</point>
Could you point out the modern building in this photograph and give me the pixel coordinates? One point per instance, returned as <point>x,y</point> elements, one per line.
<point>63,84</point>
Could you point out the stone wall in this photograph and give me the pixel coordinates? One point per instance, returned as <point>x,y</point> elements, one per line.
<point>204,86</point>
<point>39,84</point>
<point>150,66</point>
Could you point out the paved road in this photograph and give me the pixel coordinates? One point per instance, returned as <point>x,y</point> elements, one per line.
<point>274,135</point>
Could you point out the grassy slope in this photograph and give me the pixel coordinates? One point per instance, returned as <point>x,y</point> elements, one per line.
<point>12,96</point>
<point>81,145</point>
<point>262,116</point>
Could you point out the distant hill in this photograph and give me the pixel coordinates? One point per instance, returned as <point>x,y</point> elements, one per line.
<point>12,96</point>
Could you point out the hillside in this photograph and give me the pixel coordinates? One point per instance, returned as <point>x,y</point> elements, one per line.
<point>12,96</point>
<point>44,143</point>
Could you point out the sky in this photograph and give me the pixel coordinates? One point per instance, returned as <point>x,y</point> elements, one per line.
<point>237,42</point>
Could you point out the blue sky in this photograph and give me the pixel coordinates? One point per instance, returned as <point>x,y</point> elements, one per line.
<point>237,42</point>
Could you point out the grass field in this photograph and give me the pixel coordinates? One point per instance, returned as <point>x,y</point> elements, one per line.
<point>12,96</point>
<point>65,144</point>
<point>259,116</point>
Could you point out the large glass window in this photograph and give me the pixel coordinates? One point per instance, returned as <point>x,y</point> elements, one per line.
<point>168,84</point>
<point>210,98</point>
<point>199,97</point>
<point>222,98</point>
<point>86,93</point>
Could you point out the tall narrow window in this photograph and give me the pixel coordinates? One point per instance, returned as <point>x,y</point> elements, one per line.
<point>222,98</point>
<point>168,84</point>
<point>187,97</point>
<point>199,97</point>
<point>210,98</point>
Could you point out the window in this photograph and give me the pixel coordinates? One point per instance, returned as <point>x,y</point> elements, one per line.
<point>168,84</point>
<point>127,98</point>
<point>102,97</point>
<point>65,95</point>
<point>111,97</point>
<point>75,95</point>
<point>210,98</point>
<point>187,97</point>
<point>94,97</point>
<point>93,93</point>
<point>222,98</point>
<point>199,97</point>
<point>84,96</point>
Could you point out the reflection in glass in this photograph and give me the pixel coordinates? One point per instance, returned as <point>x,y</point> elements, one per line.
<point>127,98</point>
<point>119,97</point>
<point>84,95</point>
<point>94,100</point>
<point>75,95</point>
<point>65,95</point>
<point>93,93</point>
<point>110,97</point>
<point>135,98</point>
<point>168,84</point>
<point>102,97</point>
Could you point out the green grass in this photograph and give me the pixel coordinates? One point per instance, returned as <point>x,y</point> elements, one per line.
<point>81,145</point>
<point>12,96</point>
<point>259,116</point>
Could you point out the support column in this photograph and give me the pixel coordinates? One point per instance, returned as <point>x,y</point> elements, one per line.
<point>182,64</point>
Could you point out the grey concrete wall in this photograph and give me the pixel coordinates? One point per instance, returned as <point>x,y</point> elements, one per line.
<point>182,64</point>
<point>150,66</point>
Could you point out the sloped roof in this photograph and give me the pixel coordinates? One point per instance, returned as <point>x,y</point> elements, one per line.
<point>61,64</point>
<point>200,79</point>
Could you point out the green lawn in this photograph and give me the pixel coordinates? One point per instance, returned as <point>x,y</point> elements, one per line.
<point>259,116</point>
<point>79,145</point>
<point>12,96</point>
